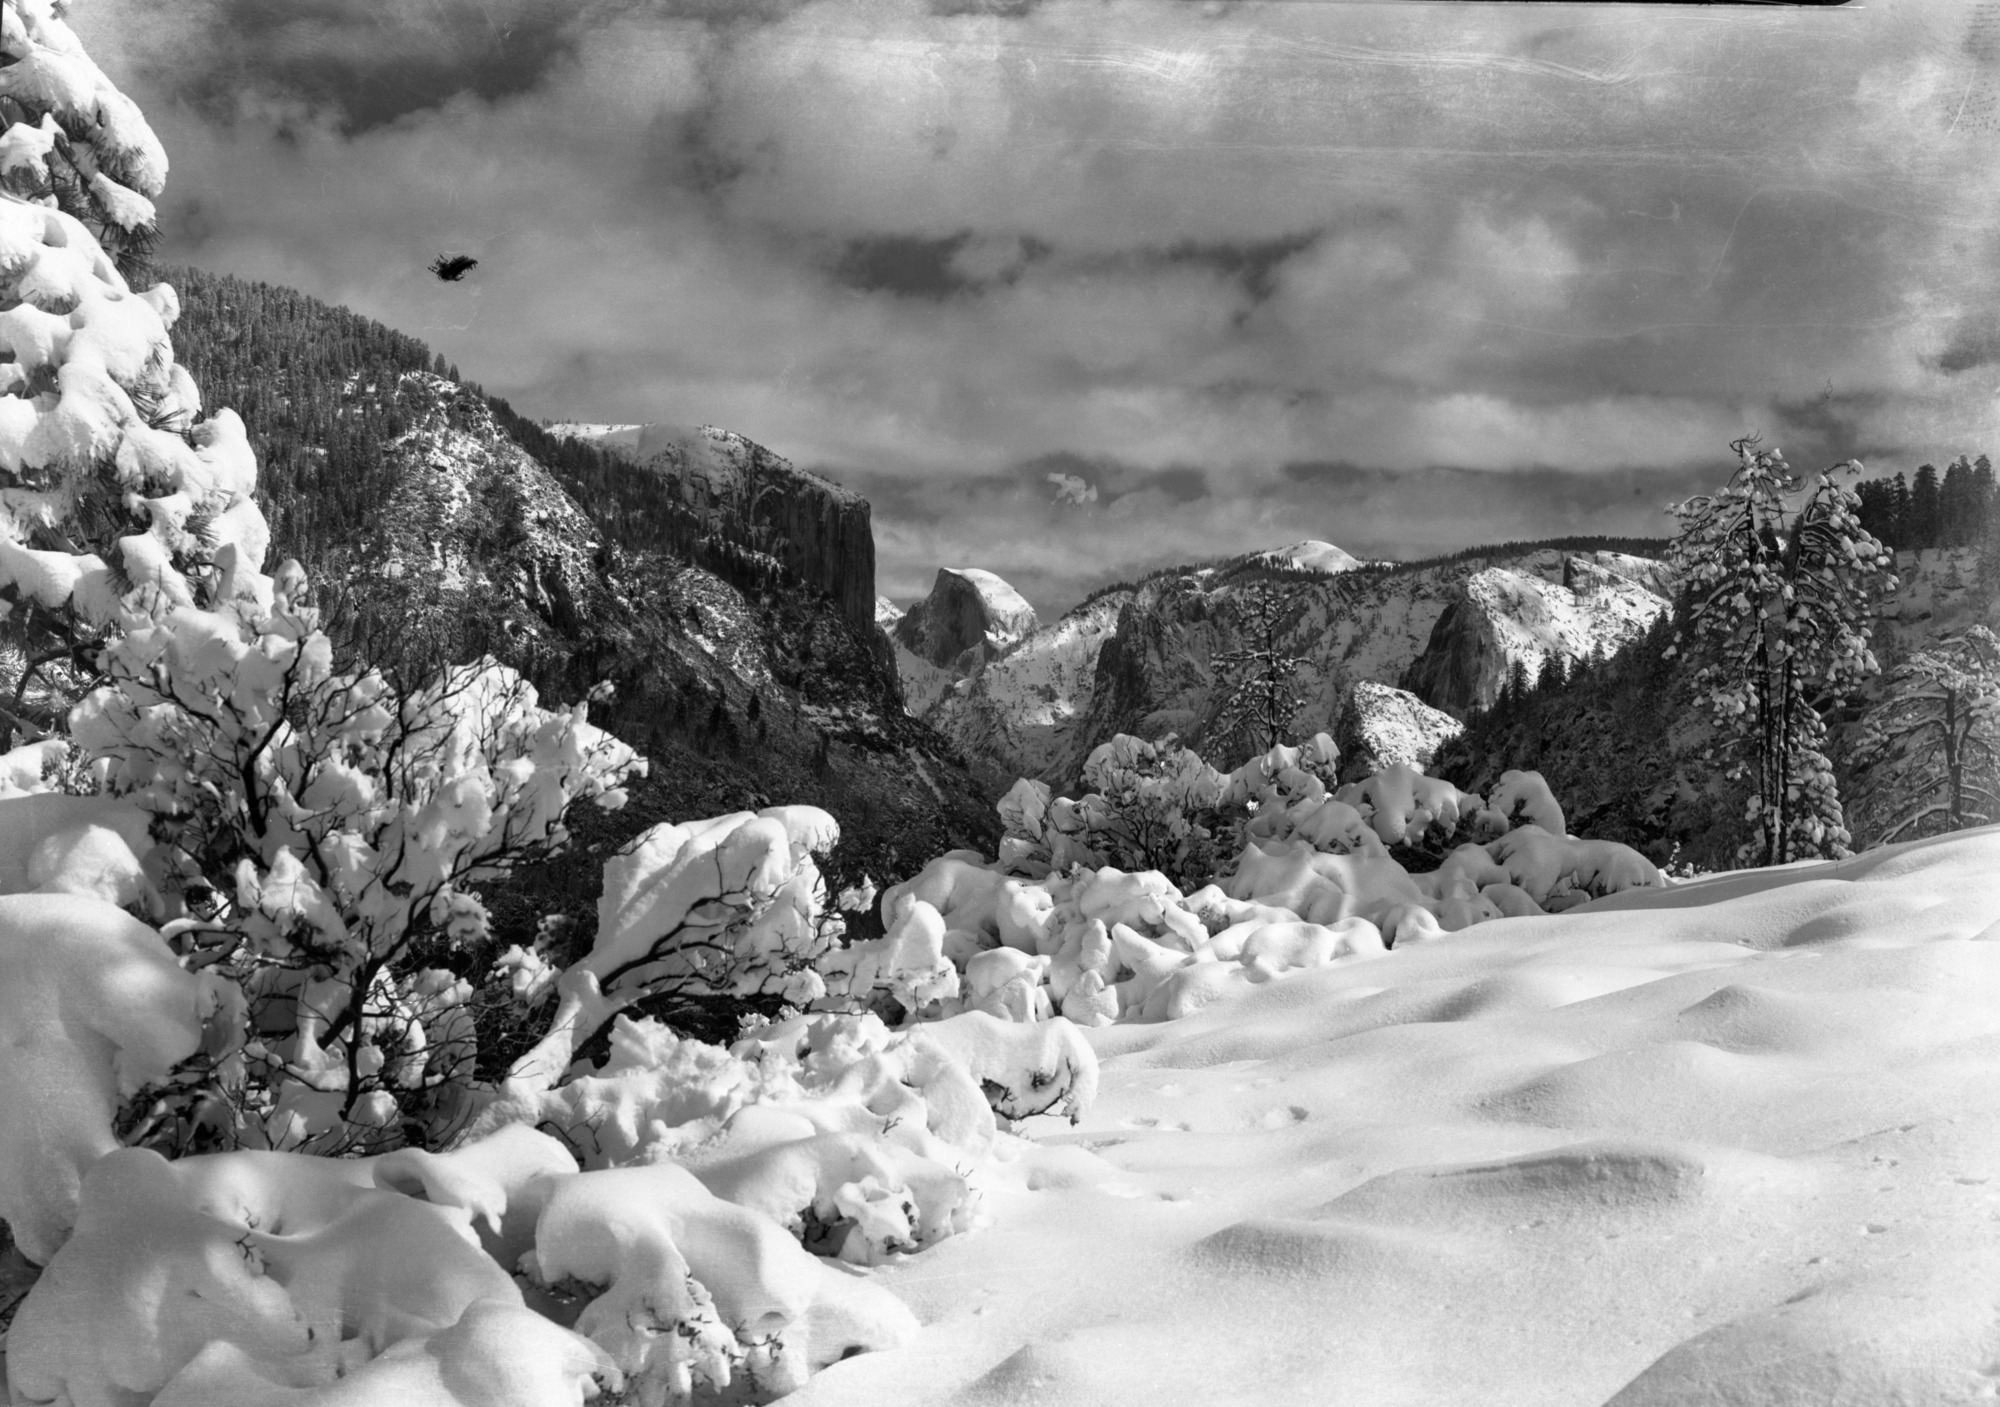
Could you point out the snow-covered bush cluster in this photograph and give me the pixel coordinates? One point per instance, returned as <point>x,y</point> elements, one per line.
<point>1065,921</point>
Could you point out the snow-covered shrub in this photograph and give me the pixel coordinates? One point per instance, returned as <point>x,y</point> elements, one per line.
<point>248,1277</point>
<point>1149,805</point>
<point>320,829</point>
<point>1317,879</point>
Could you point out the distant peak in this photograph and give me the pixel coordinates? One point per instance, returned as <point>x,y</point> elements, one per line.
<point>1312,555</point>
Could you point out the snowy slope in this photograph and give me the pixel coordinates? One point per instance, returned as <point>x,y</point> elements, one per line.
<point>1733,1142</point>
<point>1385,726</point>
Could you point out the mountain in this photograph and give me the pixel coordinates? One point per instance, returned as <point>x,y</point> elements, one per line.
<point>817,529</point>
<point>727,597</point>
<point>1443,635</point>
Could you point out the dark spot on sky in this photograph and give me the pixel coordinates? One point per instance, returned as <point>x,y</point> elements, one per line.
<point>1005,9</point>
<point>1970,347</point>
<point>1816,431</point>
<point>1329,473</point>
<point>686,149</point>
<point>1181,484</point>
<point>908,266</point>
<point>1254,265</point>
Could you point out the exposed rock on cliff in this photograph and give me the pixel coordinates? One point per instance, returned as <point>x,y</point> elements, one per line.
<point>970,617</point>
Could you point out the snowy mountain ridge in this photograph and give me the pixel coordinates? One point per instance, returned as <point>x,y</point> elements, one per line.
<point>1444,635</point>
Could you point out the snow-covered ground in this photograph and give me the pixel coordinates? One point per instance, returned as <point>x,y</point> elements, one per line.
<point>1733,1142</point>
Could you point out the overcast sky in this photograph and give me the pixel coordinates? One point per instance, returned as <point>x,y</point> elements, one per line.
<point>1070,288</point>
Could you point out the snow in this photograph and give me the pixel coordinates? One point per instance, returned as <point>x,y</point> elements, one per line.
<point>1312,555</point>
<point>1726,1142</point>
<point>92,1006</point>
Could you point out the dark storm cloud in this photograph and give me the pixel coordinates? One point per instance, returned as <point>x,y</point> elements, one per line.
<point>1820,430</point>
<point>1253,265</point>
<point>369,63</point>
<point>365,62</point>
<point>904,265</point>
<point>1975,343</point>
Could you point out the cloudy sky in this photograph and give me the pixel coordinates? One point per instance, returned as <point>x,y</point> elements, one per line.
<point>1070,288</point>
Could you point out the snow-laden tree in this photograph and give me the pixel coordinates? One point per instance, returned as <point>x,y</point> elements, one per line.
<point>72,141</point>
<point>1931,746</point>
<point>1254,676</point>
<point>1781,582</point>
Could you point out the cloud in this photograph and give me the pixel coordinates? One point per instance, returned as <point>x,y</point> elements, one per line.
<point>1073,489</point>
<point>964,253</point>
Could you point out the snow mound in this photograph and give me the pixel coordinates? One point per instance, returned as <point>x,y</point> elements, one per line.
<point>92,1007</point>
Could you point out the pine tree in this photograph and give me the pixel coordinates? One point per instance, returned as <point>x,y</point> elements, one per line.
<point>1900,513</point>
<point>1254,676</point>
<point>1925,506</point>
<point>1780,581</point>
<point>1955,504</point>
<point>1931,747</point>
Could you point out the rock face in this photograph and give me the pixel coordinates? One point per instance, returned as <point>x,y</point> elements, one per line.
<point>1503,616</point>
<point>817,530</point>
<point>1385,726</point>
<point>1138,659</point>
<point>970,617</point>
